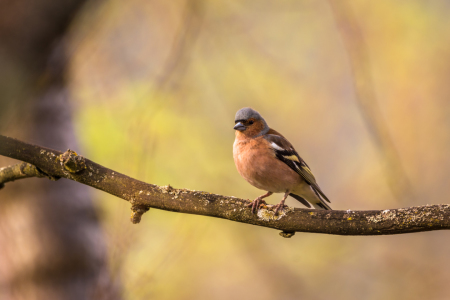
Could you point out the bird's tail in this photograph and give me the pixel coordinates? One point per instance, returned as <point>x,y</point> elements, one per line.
<point>303,201</point>
<point>317,205</point>
<point>321,205</point>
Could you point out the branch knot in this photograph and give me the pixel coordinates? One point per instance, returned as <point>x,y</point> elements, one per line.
<point>72,162</point>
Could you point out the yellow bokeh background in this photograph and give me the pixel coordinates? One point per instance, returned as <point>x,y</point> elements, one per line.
<point>155,88</point>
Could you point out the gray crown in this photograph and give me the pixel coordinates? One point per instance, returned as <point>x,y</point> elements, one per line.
<point>247,113</point>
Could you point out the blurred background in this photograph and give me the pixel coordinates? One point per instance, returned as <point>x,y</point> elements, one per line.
<point>150,89</point>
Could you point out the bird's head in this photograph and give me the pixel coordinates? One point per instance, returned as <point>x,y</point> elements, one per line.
<point>249,122</point>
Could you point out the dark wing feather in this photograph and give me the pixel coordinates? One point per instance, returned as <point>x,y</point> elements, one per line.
<point>303,201</point>
<point>285,152</point>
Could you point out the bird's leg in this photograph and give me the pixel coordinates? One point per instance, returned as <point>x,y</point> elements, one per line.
<point>281,204</point>
<point>258,201</point>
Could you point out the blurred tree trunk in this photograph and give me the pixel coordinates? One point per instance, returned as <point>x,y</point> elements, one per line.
<point>51,245</point>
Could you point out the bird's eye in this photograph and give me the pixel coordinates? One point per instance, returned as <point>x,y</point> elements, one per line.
<point>250,122</point>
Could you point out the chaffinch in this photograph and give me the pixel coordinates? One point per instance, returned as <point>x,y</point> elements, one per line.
<point>269,162</point>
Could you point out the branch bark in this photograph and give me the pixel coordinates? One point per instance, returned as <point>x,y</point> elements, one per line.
<point>143,196</point>
<point>18,171</point>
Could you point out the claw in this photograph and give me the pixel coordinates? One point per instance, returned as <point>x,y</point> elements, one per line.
<point>281,204</point>
<point>278,207</point>
<point>258,202</point>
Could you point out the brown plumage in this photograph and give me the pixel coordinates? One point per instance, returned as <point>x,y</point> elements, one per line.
<point>267,160</point>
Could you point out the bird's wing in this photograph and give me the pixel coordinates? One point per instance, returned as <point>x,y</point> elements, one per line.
<point>285,152</point>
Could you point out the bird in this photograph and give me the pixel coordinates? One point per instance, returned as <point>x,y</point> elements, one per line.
<point>268,161</point>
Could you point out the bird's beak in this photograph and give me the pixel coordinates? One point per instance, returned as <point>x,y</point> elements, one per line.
<point>239,126</point>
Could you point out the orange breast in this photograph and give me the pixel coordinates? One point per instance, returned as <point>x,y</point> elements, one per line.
<point>256,162</point>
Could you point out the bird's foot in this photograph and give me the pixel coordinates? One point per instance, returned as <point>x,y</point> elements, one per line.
<point>279,207</point>
<point>257,204</point>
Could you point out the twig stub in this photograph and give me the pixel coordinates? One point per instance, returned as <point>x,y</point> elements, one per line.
<point>137,210</point>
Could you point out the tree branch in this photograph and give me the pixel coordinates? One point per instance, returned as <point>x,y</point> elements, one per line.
<point>142,196</point>
<point>18,171</point>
